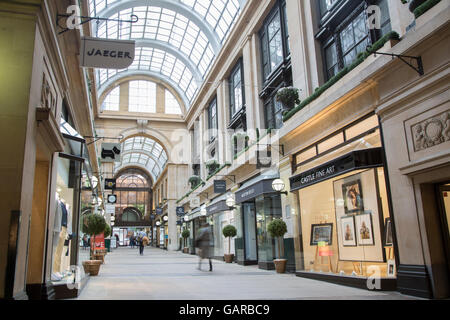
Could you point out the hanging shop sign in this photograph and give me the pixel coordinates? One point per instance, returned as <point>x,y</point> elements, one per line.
<point>263,159</point>
<point>180,211</point>
<point>106,53</point>
<point>111,152</point>
<point>195,202</point>
<point>110,209</point>
<point>112,198</point>
<point>110,184</point>
<point>159,211</point>
<point>361,159</point>
<point>220,186</point>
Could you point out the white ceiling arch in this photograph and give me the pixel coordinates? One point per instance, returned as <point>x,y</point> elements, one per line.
<point>117,76</point>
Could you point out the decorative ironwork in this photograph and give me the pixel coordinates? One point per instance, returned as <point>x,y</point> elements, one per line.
<point>134,19</point>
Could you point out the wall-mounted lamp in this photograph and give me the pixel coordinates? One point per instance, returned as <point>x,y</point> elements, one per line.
<point>230,202</point>
<point>166,218</point>
<point>278,186</point>
<point>158,223</point>
<point>186,218</point>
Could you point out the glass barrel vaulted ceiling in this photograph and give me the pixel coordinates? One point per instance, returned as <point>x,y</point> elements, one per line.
<point>145,153</point>
<point>176,40</point>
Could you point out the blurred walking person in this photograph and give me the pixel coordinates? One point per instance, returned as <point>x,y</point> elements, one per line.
<point>204,244</point>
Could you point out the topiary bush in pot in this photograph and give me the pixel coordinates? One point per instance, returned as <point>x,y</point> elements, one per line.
<point>185,234</point>
<point>229,232</point>
<point>277,229</point>
<point>93,224</point>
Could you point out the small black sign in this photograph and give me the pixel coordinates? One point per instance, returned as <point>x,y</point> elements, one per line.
<point>220,186</point>
<point>110,184</point>
<point>152,217</point>
<point>180,211</point>
<point>159,211</point>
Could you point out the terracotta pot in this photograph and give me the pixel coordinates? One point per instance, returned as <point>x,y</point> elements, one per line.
<point>228,258</point>
<point>185,250</point>
<point>92,267</point>
<point>414,4</point>
<point>280,265</point>
<point>99,256</point>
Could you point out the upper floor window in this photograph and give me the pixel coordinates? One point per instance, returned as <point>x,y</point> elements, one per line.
<point>142,96</point>
<point>274,38</point>
<point>273,113</point>
<point>212,120</point>
<point>172,104</point>
<point>237,97</point>
<point>111,102</point>
<point>346,32</point>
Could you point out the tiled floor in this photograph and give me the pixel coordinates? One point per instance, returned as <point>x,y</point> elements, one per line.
<point>163,275</point>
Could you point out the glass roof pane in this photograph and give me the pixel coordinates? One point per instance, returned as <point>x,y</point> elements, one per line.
<point>172,28</point>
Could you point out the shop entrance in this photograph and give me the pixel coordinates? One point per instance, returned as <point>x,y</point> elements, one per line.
<point>444,208</point>
<point>251,248</point>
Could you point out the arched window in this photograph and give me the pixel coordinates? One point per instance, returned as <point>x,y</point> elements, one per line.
<point>142,96</point>
<point>172,104</point>
<point>112,100</point>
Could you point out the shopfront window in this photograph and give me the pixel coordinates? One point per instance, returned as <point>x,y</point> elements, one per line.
<point>268,208</point>
<point>345,223</point>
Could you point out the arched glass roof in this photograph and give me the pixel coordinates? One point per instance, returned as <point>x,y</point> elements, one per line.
<point>143,152</point>
<point>175,39</point>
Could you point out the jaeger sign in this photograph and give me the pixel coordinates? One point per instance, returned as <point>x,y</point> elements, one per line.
<point>106,53</point>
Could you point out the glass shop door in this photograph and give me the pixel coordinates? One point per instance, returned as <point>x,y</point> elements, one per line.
<point>251,249</point>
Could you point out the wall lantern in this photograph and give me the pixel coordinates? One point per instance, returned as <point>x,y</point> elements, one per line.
<point>166,218</point>
<point>203,211</point>
<point>230,202</point>
<point>158,223</point>
<point>94,182</point>
<point>278,186</point>
<point>186,218</point>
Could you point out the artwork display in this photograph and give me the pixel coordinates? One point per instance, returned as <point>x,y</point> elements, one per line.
<point>321,233</point>
<point>353,197</point>
<point>348,231</point>
<point>388,233</point>
<point>364,229</point>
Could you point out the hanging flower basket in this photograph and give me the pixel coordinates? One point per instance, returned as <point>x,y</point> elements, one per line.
<point>288,96</point>
<point>194,181</point>
<point>212,165</point>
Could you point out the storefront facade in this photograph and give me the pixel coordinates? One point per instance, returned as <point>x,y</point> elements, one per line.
<point>257,206</point>
<point>345,225</point>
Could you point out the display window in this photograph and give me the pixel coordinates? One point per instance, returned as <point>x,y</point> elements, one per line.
<point>345,223</point>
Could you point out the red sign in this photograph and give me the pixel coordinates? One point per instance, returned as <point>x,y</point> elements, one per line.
<point>99,242</point>
<point>325,251</point>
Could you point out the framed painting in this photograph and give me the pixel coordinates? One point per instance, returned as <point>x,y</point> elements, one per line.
<point>364,229</point>
<point>353,196</point>
<point>348,231</point>
<point>321,233</point>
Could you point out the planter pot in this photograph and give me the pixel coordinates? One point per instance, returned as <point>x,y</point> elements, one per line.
<point>229,258</point>
<point>92,267</point>
<point>414,4</point>
<point>280,265</point>
<point>100,257</point>
<point>185,250</point>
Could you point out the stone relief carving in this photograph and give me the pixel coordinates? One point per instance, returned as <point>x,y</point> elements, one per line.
<point>431,132</point>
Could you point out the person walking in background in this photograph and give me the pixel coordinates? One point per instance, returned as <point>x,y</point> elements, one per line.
<point>204,243</point>
<point>140,242</point>
<point>132,239</point>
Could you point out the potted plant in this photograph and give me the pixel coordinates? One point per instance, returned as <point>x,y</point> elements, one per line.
<point>93,224</point>
<point>212,165</point>
<point>229,232</point>
<point>194,181</point>
<point>277,229</point>
<point>288,96</point>
<point>185,234</point>
<point>413,4</point>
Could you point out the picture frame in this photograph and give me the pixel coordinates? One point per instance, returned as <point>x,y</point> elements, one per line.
<point>391,269</point>
<point>364,229</point>
<point>353,196</point>
<point>348,232</point>
<point>321,233</point>
<point>388,241</point>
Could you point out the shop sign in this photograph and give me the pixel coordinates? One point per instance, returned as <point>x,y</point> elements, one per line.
<point>255,190</point>
<point>111,152</point>
<point>217,207</point>
<point>361,159</point>
<point>106,53</point>
<point>110,184</point>
<point>220,186</point>
<point>110,209</point>
<point>180,211</point>
<point>159,211</point>
<point>263,159</point>
<point>195,202</point>
<point>99,242</point>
